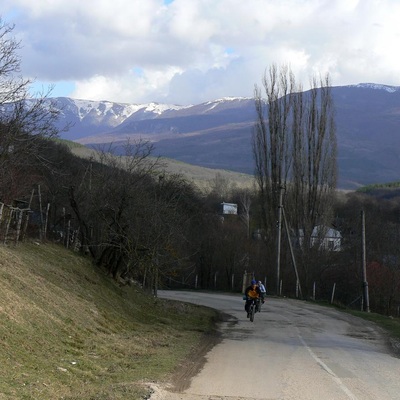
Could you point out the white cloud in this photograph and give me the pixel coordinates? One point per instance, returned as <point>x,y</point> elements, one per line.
<point>189,51</point>
<point>146,86</point>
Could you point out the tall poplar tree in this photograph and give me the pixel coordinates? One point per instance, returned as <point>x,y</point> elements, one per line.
<point>294,147</point>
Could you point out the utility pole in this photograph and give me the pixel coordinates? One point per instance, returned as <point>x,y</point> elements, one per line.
<point>278,252</point>
<point>364,265</point>
<point>292,252</point>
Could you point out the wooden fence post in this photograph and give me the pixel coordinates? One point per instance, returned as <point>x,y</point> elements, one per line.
<point>8,224</point>
<point>19,223</point>
<point>46,220</point>
<point>41,230</point>
<point>333,292</point>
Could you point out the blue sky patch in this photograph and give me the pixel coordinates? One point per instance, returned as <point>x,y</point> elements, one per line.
<point>61,89</point>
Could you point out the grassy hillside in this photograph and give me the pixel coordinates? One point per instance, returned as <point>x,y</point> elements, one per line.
<point>69,332</point>
<point>200,176</point>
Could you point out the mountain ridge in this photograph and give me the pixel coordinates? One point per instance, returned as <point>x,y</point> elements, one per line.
<point>218,134</point>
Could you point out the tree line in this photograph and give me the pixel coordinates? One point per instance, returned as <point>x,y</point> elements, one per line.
<point>142,225</point>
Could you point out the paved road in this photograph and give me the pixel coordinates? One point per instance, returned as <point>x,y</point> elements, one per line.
<point>292,351</point>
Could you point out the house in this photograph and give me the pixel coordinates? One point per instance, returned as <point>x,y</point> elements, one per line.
<point>328,238</point>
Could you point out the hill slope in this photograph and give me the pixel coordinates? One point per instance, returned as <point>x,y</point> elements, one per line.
<point>67,331</point>
<point>200,176</point>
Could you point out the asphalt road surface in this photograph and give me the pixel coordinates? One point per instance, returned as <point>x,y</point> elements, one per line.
<point>293,350</point>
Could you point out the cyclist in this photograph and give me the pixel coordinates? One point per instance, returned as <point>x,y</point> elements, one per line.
<point>263,291</point>
<point>252,292</point>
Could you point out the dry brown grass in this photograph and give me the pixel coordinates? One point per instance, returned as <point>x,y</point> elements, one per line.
<point>69,332</point>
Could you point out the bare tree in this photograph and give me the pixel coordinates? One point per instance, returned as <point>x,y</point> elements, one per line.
<point>271,139</point>
<point>294,146</point>
<point>313,179</point>
<point>220,187</point>
<point>24,121</point>
<point>12,86</point>
<point>244,198</point>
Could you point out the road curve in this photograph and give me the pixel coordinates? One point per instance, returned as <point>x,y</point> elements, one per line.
<point>293,350</point>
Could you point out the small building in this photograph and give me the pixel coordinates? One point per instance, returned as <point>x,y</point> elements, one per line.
<point>228,208</point>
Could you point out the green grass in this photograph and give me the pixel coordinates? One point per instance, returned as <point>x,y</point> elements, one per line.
<point>68,331</point>
<point>389,324</point>
<point>390,185</point>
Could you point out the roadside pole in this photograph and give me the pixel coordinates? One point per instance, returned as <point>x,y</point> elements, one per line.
<point>298,286</point>
<point>364,265</point>
<point>278,252</point>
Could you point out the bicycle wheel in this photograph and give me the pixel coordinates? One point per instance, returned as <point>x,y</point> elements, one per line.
<point>259,306</point>
<point>252,311</point>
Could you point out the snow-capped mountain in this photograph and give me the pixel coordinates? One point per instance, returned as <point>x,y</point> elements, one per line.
<point>377,86</point>
<point>94,117</point>
<point>218,134</point>
<point>92,121</point>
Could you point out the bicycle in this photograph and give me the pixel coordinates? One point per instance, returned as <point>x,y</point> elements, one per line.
<point>254,306</point>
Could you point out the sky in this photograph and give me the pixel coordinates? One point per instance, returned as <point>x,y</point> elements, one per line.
<point>192,51</point>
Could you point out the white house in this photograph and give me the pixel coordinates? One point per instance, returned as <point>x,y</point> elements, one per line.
<point>329,239</point>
